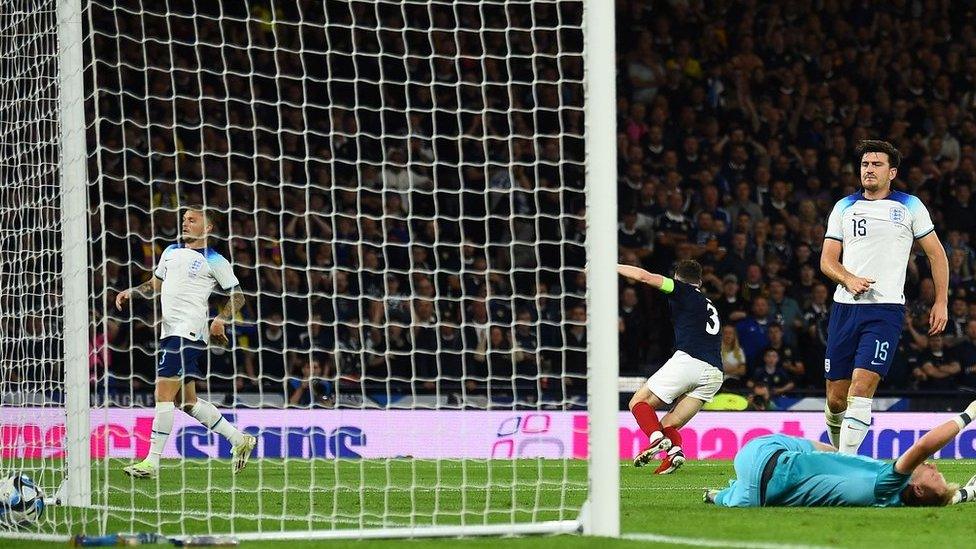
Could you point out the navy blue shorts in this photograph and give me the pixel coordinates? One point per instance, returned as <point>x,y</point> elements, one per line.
<point>179,356</point>
<point>862,336</point>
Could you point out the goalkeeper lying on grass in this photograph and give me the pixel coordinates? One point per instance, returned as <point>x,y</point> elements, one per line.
<point>780,470</point>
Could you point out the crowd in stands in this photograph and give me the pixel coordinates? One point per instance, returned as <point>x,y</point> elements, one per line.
<point>399,189</point>
<point>405,207</point>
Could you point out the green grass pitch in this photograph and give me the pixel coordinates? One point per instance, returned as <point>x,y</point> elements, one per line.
<point>658,511</point>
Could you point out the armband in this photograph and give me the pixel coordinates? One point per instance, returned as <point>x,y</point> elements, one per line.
<point>667,286</point>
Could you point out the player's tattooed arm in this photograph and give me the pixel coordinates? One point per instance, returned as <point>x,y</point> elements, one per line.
<point>234,304</point>
<point>218,334</point>
<point>146,290</point>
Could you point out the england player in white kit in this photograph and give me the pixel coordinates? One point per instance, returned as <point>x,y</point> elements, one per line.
<point>875,229</point>
<point>185,276</point>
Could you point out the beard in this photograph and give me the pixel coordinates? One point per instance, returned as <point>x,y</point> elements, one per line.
<point>875,184</point>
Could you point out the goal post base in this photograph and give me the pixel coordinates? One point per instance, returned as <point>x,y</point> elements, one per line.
<point>526,528</point>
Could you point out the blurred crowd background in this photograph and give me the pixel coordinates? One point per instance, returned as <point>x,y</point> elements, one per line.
<point>400,187</point>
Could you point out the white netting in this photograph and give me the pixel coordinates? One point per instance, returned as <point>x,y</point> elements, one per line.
<point>399,188</point>
<point>32,337</point>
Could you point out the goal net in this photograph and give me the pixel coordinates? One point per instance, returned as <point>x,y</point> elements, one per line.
<point>399,188</point>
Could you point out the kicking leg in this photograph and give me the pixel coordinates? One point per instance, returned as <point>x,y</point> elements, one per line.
<point>857,418</point>
<point>207,414</point>
<point>166,391</point>
<point>643,405</point>
<point>835,407</point>
<point>678,417</point>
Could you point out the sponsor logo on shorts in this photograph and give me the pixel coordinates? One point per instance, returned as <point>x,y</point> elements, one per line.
<point>826,364</point>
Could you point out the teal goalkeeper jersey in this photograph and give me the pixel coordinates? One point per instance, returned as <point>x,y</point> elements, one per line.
<point>831,479</point>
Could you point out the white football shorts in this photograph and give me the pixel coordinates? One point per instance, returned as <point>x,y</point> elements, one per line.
<point>684,374</point>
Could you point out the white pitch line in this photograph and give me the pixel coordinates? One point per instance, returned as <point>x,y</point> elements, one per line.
<point>702,542</point>
<point>223,515</point>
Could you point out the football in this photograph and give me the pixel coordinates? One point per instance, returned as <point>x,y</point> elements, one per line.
<point>21,501</point>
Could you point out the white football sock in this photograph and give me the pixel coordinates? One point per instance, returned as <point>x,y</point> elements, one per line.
<point>857,421</point>
<point>834,422</point>
<point>161,426</point>
<point>207,414</point>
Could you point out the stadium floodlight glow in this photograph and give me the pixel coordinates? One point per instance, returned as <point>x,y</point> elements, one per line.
<point>403,190</point>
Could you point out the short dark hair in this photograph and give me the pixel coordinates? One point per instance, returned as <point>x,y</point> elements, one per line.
<point>878,146</point>
<point>688,270</point>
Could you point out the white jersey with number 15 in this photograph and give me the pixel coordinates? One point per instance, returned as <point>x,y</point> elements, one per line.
<point>877,236</point>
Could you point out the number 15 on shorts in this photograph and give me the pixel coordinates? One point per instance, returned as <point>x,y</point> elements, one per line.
<point>880,352</point>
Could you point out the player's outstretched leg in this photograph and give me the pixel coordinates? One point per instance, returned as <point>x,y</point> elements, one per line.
<point>242,452</point>
<point>207,414</point>
<point>642,405</point>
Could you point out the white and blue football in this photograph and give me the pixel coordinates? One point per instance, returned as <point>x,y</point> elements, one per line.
<point>21,501</point>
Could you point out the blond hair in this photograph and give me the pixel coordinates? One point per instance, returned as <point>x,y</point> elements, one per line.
<point>929,498</point>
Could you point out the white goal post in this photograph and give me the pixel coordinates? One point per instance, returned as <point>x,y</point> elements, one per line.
<point>601,257</point>
<point>418,199</point>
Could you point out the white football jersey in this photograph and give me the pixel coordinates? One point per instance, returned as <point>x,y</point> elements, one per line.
<point>877,236</point>
<point>189,276</point>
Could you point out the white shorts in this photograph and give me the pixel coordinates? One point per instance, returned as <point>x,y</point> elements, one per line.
<point>684,374</point>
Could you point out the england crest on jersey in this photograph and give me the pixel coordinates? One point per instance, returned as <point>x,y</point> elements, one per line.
<point>897,214</point>
<point>196,266</point>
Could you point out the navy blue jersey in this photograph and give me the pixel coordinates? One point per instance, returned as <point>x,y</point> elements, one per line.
<point>697,330</point>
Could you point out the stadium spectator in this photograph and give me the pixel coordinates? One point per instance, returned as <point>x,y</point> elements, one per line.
<point>785,311</point>
<point>733,360</point>
<point>738,258</point>
<point>815,318</point>
<point>934,369</point>
<point>958,318</point>
<point>632,239</point>
<point>731,307</point>
<point>633,331</point>
<point>753,332</point>
<point>789,356</point>
<point>965,353</point>
<point>309,386</point>
<point>771,374</point>
<point>760,399</point>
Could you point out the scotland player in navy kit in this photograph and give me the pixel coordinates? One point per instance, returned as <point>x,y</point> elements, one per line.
<point>875,229</point>
<point>691,377</point>
<point>185,276</point>
<point>780,470</point>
